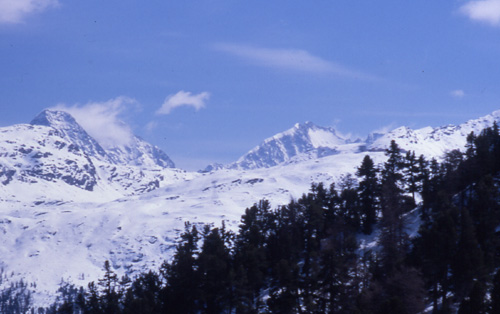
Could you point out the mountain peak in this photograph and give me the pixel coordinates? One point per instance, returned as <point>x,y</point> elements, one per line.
<point>304,125</point>
<point>67,126</point>
<point>303,138</point>
<point>138,152</point>
<point>53,118</point>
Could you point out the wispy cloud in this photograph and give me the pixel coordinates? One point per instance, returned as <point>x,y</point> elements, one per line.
<point>15,11</point>
<point>102,120</point>
<point>183,98</point>
<point>487,11</point>
<point>458,93</point>
<point>150,126</point>
<point>385,129</point>
<point>291,59</point>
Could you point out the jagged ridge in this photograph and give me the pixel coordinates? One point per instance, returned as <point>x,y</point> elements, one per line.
<point>308,141</point>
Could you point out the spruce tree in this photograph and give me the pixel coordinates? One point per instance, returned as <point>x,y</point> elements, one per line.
<point>411,173</point>
<point>368,189</point>
<point>181,294</point>
<point>467,263</point>
<point>144,295</point>
<point>250,257</point>
<point>393,238</point>
<point>110,298</point>
<point>434,250</point>
<point>216,274</point>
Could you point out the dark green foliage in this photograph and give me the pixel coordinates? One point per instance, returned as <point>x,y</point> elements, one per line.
<point>434,251</point>
<point>15,299</point>
<point>214,268</point>
<point>368,194</point>
<point>475,302</point>
<point>458,247</point>
<point>144,295</point>
<point>181,276</point>
<point>393,238</point>
<point>412,173</point>
<point>250,258</point>
<point>68,300</point>
<point>110,297</point>
<point>468,260</point>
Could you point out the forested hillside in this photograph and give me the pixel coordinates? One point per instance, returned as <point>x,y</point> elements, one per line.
<point>305,257</point>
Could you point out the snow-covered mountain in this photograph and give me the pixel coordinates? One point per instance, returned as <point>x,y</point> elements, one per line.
<point>137,153</point>
<point>308,141</point>
<point>55,157</point>
<point>302,139</point>
<point>67,204</point>
<point>433,141</point>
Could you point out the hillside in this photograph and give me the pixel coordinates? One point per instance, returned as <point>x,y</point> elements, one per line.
<point>68,204</point>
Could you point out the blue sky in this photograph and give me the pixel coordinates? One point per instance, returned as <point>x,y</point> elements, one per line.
<point>208,80</point>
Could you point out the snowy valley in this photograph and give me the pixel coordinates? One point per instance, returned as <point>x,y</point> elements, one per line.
<point>68,204</point>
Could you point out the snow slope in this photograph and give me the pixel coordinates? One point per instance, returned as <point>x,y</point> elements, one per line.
<point>434,141</point>
<point>67,204</point>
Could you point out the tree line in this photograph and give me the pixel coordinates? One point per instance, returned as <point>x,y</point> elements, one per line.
<point>305,257</point>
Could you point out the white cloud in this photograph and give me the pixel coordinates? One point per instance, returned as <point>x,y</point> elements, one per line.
<point>151,126</point>
<point>291,59</point>
<point>14,11</point>
<point>102,120</point>
<point>458,93</point>
<point>487,11</point>
<point>183,98</point>
<point>385,129</point>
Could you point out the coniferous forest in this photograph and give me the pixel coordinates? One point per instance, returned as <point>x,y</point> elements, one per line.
<point>306,257</point>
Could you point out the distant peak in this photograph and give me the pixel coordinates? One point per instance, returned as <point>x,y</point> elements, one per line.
<point>307,124</point>
<point>49,117</point>
<point>495,114</point>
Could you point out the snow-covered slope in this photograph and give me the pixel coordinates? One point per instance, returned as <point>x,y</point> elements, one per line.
<point>48,240</point>
<point>433,141</point>
<point>67,204</point>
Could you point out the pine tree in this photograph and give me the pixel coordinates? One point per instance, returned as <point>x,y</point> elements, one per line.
<point>338,288</point>
<point>314,210</point>
<point>110,299</point>
<point>485,212</point>
<point>434,250</point>
<point>351,208</point>
<point>284,251</point>
<point>467,263</point>
<point>93,302</point>
<point>392,167</point>
<point>393,238</point>
<point>182,291</point>
<point>368,190</point>
<point>250,257</point>
<point>214,266</point>
<point>144,295</point>
<point>412,173</point>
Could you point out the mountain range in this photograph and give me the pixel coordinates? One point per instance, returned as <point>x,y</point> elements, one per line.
<point>68,203</point>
